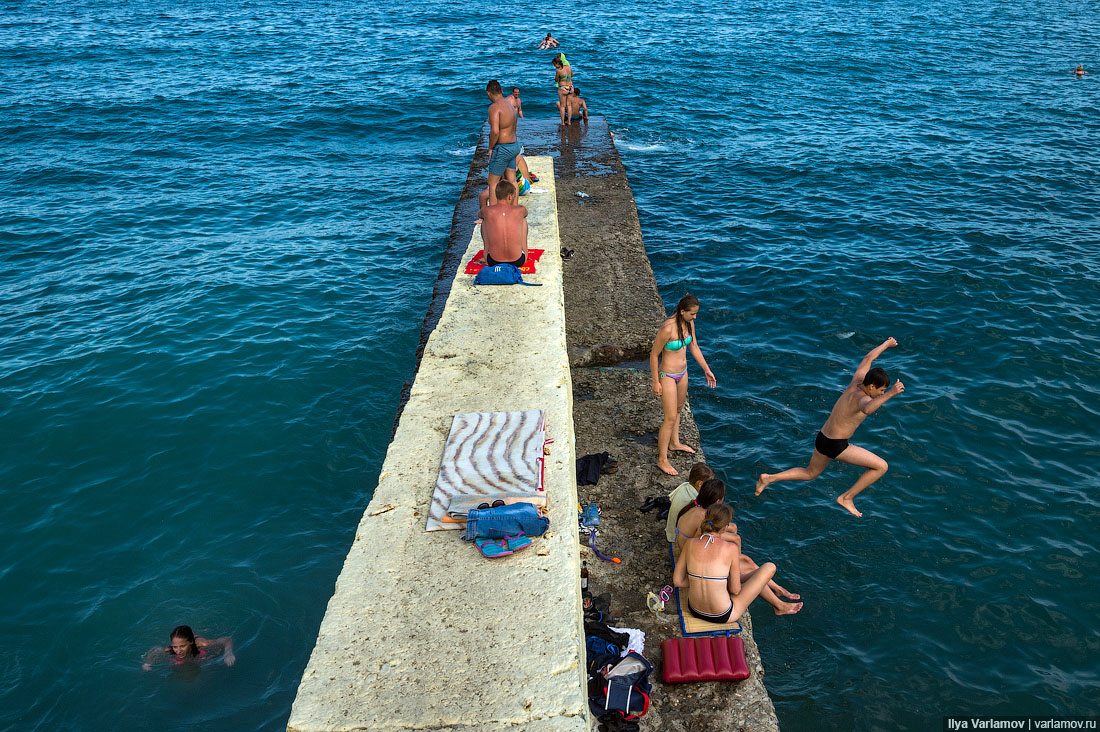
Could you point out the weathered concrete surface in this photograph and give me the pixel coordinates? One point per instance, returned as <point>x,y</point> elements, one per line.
<point>614,287</point>
<point>615,410</point>
<point>422,632</point>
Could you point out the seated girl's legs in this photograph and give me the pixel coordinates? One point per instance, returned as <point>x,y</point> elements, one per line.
<point>681,397</point>
<point>748,565</point>
<point>770,595</point>
<point>669,402</point>
<point>756,582</point>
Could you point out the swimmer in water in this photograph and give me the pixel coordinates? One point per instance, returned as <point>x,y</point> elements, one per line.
<point>1080,70</point>
<point>548,42</point>
<point>187,648</point>
<point>866,392</point>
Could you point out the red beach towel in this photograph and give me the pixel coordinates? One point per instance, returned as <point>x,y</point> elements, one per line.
<point>528,267</point>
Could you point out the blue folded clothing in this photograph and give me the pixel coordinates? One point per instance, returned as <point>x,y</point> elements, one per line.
<point>497,523</point>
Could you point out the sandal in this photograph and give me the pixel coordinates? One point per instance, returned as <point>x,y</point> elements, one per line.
<point>517,542</point>
<point>491,548</point>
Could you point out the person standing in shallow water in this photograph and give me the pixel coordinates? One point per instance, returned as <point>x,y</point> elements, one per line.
<point>187,648</point>
<point>866,392</point>
<point>668,365</point>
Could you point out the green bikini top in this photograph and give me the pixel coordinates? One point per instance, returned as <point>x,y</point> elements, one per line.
<point>677,345</point>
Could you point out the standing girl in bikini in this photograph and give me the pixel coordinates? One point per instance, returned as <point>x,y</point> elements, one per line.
<point>563,78</point>
<point>670,382</point>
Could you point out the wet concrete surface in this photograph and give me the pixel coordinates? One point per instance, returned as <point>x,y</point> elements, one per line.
<point>612,311</point>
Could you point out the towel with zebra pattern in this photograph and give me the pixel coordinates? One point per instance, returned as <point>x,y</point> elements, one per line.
<point>490,455</point>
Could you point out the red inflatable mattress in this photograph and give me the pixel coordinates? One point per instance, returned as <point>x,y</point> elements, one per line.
<point>711,658</point>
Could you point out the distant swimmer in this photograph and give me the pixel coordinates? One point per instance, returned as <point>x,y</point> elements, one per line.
<point>563,79</point>
<point>864,395</point>
<point>503,146</point>
<point>186,648</point>
<point>1080,70</point>
<point>513,99</point>
<point>548,42</point>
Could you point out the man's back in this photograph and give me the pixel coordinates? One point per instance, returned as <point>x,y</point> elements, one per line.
<point>502,116</point>
<point>504,231</point>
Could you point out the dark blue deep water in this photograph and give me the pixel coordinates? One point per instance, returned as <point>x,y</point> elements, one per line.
<point>219,226</point>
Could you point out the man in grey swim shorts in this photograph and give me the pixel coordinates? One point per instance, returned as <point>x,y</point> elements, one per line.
<point>503,146</point>
<point>866,392</point>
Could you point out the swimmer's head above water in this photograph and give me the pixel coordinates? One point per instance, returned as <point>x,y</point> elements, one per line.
<point>183,642</point>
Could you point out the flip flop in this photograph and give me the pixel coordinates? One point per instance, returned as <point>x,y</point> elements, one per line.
<point>491,548</point>
<point>518,542</point>
<point>534,178</point>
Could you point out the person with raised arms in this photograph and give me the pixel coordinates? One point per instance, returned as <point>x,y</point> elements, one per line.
<point>865,393</point>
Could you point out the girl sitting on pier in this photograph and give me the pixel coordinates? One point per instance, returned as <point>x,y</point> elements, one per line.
<point>709,566</point>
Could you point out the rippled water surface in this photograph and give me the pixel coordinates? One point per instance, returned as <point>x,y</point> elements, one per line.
<point>219,226</point>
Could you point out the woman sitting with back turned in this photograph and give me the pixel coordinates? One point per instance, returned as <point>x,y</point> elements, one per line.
<point>710,568</point>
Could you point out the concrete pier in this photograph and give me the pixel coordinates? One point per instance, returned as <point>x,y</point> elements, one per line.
<point>423,633</point>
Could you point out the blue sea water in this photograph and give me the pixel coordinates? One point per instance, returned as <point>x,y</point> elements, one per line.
<point>219,228</point>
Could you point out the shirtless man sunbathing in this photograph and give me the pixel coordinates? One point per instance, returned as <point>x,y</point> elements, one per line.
<point>864,395</point>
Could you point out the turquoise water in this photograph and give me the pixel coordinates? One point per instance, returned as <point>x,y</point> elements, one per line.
<point>219,227</point>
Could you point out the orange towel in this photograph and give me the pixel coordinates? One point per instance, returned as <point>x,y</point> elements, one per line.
<point>528,267</point>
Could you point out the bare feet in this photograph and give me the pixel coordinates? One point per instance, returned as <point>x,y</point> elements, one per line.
<point>762,483</point>
<point>681,448</point>
<point>666,467</point>
<point>788,608</point>
<point>786,593</point>
<point>849,504</point>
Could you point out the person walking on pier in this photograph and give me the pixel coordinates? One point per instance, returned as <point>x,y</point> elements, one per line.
<point>866,392</point>
<point>670,381</point>
<point>503,146</point>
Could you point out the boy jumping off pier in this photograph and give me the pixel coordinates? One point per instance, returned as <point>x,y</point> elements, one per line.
<point>865,394</point>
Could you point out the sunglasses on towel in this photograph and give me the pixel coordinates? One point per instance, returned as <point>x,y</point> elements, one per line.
<point>495,504</point>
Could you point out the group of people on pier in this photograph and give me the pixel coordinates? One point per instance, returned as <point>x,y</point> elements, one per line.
<point>503,221</point>
<point>721,581</point>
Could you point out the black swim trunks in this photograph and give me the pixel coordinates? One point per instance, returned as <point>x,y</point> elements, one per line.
<point>829,447</point>
<point>518,263</point>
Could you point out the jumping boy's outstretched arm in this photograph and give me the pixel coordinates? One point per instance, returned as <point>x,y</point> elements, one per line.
<point>865,364</point>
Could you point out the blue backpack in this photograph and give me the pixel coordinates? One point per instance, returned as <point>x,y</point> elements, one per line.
<point>502,274</point>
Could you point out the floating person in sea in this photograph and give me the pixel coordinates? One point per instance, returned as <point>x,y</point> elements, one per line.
<point>563,79</point>
<point>1080,70</point>
<point>710,567</point>
<point>865,393</point>
<point>675,338</point>
<point>186,648</point>
<point>689,526</point>
<point>514,100</point>
<point>503,145</point>
<point>548,42</point>
<point>575,107</point>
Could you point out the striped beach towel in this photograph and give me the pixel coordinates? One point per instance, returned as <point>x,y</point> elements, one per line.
<point>491,455</point>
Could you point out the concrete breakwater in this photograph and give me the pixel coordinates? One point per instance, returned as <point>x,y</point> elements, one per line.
<point>422,633</point>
